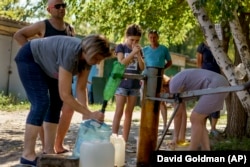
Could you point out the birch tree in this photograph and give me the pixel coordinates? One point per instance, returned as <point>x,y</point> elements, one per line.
<point>221,57</point>
<point>243,51</point>
<point>241,43</point>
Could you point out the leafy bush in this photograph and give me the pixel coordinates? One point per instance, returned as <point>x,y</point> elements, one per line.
<point>11,103</point>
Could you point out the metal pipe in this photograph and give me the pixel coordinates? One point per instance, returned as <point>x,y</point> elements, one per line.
<point>134,76</point>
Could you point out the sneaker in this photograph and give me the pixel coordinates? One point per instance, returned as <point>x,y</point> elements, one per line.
<point>214,133</point>
<point>29,163</point>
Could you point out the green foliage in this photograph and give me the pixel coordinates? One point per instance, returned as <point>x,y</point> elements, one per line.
<point>110,107</point>
<point>11,103</point>
<point>222,10</point>
<point>10,9</point>
<point>190,44</point>
<point>172,18</point>
<point>232,144</point>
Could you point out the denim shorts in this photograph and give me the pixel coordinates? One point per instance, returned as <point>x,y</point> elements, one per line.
<point>127,92</point>
<point>215,115</point>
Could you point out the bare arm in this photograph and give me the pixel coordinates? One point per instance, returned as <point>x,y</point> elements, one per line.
<point>65,81</point>
<point>199,59</point>
<point>140,61</point>
<point>168,64</point>
<point>126,60</point>
<point>81,88</point>
<point>35,30</point>
<point>123,60</point>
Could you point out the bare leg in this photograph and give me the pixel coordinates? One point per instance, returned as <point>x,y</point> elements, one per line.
<point>213,123</point>
<point>63,126</point>
<point>128,116</point>
<point>120,102</point>
<point>213,119</point>
<point>197,130</point>
<point>163,108</point>
<point>205,143</point>
<point>30,137</point>
<point>182,134</point>
<point>41,137</point>
<point>49,137</point>
<point>177,124</point>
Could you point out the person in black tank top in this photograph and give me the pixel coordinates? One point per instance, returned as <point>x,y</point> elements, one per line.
<point>67,112</point>
<point>55,25</point>
<point>51,31</point>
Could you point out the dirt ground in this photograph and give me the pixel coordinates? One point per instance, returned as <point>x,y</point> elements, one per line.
<point>12,133</point>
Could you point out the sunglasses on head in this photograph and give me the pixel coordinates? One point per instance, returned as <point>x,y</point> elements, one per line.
<point>58,6</point>
<point>153,32</point>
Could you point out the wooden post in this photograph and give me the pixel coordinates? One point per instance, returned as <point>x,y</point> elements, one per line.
<point>148,133</point>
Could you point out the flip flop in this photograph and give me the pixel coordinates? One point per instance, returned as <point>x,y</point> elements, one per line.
<point>63,152</point>
<point>183,144</point>
<point>171,145</point>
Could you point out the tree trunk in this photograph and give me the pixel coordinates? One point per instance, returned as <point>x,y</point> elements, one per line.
<point>221,57</point>
<point>236,115</point>
<point>244,21</point>
<point>240,42</point>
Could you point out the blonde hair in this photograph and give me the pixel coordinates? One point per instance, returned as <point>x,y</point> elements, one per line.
<point>96,44</point>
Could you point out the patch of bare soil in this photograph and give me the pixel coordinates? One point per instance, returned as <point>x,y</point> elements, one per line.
<point>12,126</point>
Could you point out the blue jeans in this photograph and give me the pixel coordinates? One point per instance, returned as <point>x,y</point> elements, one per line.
<point>42,90</point>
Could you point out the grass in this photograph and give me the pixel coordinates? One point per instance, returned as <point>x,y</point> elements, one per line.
<point>232,144</point>
<point>110,107</point>
<point>11,103</point>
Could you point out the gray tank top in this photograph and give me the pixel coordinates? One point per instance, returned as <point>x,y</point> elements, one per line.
<point>52,52</point>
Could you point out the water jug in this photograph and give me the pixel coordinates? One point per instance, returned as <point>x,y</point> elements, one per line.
<point>119,145</point>
<point>91,131</point>
<point>97,154</point>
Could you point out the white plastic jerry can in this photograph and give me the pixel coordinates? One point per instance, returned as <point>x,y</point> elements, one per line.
<point>97,154</point>
<point>119,145</point>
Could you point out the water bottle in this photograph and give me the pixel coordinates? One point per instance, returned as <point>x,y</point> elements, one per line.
<point>119,145</point>
<point>114,80</point>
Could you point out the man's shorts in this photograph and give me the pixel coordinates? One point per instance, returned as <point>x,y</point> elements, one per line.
<point>215,115</point>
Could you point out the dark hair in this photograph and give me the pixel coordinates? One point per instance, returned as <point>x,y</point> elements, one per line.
<point>83,65</point>
<point>133,30</point>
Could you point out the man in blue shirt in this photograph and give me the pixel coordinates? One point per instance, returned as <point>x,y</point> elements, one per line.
<point>157,56</point>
